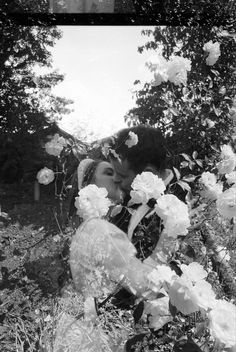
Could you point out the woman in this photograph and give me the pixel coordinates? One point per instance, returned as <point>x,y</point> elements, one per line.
<point>98,172</point>
<point>102,259</point>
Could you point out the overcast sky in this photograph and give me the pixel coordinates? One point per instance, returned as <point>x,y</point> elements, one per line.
<point>100,63</point>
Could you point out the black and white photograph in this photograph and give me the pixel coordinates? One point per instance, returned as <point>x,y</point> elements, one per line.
<point>118,176</point>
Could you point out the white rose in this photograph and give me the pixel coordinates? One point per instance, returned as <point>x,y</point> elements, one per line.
<point>55,146</point>
<point>194,271</point>
<point>210,123</point>
<point>212,189</point>
<point>162,275</point>
<point>175,215</point>
<point>159,312</point>
<point>177,69</point>
<point>132,140</point>
<point>214,52</point>
<point>208,179</point>
<point>228,162</point>
<point>146,186</point>
<point>223,323</point>
<point>45,176</point>
<point>226,203</point>
<point>212,193</point>
<point>159,77</point>
<point>226,151</point>
<point>231,177</point>
<point>204,295</point>
<point>226,166</point>
<point>92,202</point>
<point>158,65</point>
<point>182,296</point>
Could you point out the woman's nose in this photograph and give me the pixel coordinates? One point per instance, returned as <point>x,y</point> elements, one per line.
<point>116,178</point>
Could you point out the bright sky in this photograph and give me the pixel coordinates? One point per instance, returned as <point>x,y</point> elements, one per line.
<point>100,64</point>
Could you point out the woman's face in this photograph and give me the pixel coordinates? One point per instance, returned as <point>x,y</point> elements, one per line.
<point>103,177</point>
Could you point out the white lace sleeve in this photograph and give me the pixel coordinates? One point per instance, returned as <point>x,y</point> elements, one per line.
<point>101,255</point>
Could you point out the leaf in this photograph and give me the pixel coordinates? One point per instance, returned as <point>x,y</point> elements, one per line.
<point>215,72</point>
<point>177,173</point>
<point>116,210</point>
<point>199,162</point>
<point>191,165</point>
<point>215,149</point>
<point>184,185</point>
<point>138,312</point>
<point>184,164</point>
<point>186,156</point>
<point>130,344</point>
<point>216,111</point>
<point>174,111</point>
<point>172,309</point>
<point>186,346</point>
<point>189,178</point>
<point>160,295</point>
<point>195,154</point>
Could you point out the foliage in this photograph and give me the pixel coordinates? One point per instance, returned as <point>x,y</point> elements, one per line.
<point>26,6</point>
<point>182,113</point>
<point>28,108</point>
<point>27,103</point>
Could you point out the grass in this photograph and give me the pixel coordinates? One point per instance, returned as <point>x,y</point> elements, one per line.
<point>34,270</point>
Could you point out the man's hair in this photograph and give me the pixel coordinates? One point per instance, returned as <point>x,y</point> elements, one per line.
<point>150,149</point>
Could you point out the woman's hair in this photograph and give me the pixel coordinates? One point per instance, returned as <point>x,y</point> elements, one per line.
<point>88,178</point>
<point>89,173</point>
<point>150,149</point>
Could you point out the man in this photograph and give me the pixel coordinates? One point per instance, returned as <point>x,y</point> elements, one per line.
<point>149,153</point>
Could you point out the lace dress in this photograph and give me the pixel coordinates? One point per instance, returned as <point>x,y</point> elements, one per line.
<point>101,256</point>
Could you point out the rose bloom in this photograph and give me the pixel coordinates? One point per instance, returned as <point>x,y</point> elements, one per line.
<point>212,188</point>
<point>162,275</point>
<point>132,140</point>
<point>182,296</point>
<point>55,146</point>
<point>222,323</point>
<point>231,177</point>
<point>208,179</point>
<point>228,162</point>
<point>214,52</point>
<point>175,215</point>
<point>226,203</point>
<point>159,77</point>
<point>226,166</point>
<point>159,312</point>
<point>92,202</point>
<point>204,295</point>
<point>226,151</point>
<point>212,193</point>
<point>177,69</point>
<point>158,65</point>
<point>210,123</point>
<point>146,186</point>
<point>45,176</point>
<point>194,271</point>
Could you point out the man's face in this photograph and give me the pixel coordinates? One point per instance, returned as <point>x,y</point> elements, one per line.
<point>123,175</point>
